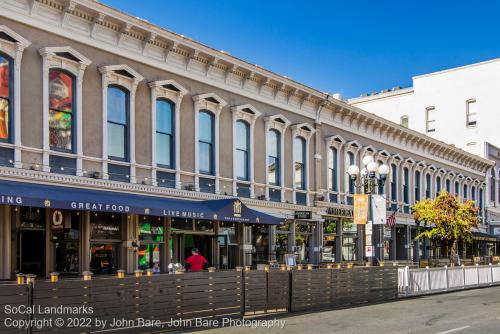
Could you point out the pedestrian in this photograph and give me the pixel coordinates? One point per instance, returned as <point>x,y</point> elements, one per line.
<point>196,262</point>
<point>156,268</point>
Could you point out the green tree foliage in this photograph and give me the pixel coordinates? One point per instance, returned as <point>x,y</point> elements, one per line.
<point>446,218</point>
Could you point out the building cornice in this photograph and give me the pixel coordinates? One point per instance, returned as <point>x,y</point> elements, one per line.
<point>101,26</point>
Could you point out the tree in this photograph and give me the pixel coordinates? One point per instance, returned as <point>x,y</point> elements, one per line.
<point>446,218</point>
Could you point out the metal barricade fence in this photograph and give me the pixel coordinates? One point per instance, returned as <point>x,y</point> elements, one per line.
<point>433,280</point>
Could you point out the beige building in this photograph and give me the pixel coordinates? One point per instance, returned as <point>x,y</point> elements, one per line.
<point>119,140</point>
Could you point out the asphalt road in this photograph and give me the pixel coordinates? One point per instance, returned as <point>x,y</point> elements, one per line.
<point>471,311</point>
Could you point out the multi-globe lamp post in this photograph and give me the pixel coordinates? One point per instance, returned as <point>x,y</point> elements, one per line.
<point>371,180</point>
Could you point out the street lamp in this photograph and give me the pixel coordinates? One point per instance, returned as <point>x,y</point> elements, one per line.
<point>368,182</point>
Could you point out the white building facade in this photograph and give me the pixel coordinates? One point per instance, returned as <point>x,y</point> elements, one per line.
<point>460,106</point>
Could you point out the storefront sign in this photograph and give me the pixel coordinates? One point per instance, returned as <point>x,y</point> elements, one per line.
<point>339,212</point>
<point>103,231</point>
<point>379,209</point>
<point>57,220</point>
<point>11,200</point>
<point>303,215</point>
<point>360,209</point>
<point>100,207</point>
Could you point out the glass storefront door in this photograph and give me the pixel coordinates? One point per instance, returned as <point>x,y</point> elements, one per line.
<point>105,243</point>
<point>349,241</point>
<point>31,241</point>
<point>329,241</point>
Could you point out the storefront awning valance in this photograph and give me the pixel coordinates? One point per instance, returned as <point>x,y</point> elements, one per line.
<point>233,210</point>
<point>61,197</point>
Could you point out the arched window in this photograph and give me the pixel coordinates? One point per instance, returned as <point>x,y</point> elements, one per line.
<point>165,142</point>
<point>242,150</point>
<point>380,185</point>
<point>428,186</point>
<point>299,155</point>
<point>118,123</point>
<point>5,97</point>
<point>394,183</point>
<point>206,142</point>
<point>406,189</point>
<point>438,185</point>
<point>465,191</point>
<point>61,106</point>
<point>481,201</point>
<point>473,195</point>
<point>350,182</point>
<point>417,186</point>
<point>448,186</point>
<point>273,157</point>
<point>332,169</point>
<point>457,188</point>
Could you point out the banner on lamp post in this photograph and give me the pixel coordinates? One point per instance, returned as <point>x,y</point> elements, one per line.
<point>379,209</point>
<point>360,209</point>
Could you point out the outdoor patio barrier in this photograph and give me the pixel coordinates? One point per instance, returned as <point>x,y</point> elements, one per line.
<point>207,295</point>
<point>434,280</point>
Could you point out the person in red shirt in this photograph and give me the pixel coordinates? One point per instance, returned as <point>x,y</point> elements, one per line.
<point>196,262</point>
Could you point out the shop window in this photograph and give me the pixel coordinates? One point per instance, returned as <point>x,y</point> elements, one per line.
<point>66,242</point>
<point>61,110</point>
<point>242,150</point>
<point>299,154</point>
<point>273,157</point>
<point>6,76</point>
<point>119,173</point>
<point>32,218</point>
<point>181,224</point>
<point>118,123</point>
<point>260,240</point>
<point>165,179</point>
<point>243,190</point>
<point>204,226</point>
<point>62,165</point>
<point>151,236</point>
<point>165,133</point>
<point>207,185</point>
<point>206,143</point>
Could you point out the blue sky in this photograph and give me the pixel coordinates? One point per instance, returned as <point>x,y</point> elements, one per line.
<point>351,47</point>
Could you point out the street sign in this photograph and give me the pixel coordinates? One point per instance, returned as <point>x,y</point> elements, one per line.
<point>303,215</point>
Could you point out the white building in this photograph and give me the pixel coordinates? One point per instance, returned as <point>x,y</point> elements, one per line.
<point>460,106</point>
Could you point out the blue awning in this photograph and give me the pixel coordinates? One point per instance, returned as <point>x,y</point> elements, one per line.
<point>233,210</point>
<point>61,197</point>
